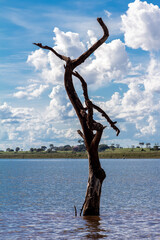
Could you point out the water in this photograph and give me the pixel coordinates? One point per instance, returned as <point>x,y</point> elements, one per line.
<point>37,199</point>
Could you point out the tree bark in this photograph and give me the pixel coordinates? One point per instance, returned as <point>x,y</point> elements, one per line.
<point>91,130</point>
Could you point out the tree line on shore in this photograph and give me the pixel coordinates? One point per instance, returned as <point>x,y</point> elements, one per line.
<point>81,148</point>
<point>78,148</point>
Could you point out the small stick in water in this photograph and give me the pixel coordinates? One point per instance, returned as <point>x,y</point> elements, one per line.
<point>75,210</point>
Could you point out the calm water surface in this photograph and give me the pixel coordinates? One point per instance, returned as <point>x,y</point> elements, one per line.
<point>37,199</point>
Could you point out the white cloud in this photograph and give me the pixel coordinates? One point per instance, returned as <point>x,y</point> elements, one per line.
<point>71,134</point>
<point>141,26</point>
<point>58,95</point>
<point>27,127</point>
<point>52,68</point>
<point>38,59</point>
<point>109,62</point>
<point>139,105</point>
<point>14,125</point>
<point>8,113</point>
<point>38,91</point>
<point>152,82</point>
<point>5,111</point>
<point>59,108</point>
<point>149,128</point>
<point>68,43</point>
<point>31,91</point>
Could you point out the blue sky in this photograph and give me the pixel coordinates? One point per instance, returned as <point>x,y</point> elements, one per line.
<point>123,75</point>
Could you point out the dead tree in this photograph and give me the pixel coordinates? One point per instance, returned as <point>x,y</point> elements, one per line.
<point>91,130</point>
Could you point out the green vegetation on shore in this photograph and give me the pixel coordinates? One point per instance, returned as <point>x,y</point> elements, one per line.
<point>108,154</point>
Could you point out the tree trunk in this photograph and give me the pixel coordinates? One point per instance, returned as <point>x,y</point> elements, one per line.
<point>91,130</point>
<point>92,199</point>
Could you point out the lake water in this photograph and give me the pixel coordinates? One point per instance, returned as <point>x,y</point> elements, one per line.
<point>37,199</point>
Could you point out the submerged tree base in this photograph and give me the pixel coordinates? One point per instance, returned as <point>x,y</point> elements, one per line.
<point>91,204</point>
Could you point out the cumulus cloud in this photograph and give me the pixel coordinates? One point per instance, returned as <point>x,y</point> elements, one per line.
<point>109,62</point>
<point>5,111</point>
<point>71,134</point>
<point>59,107</point>
<point>149,128</point>
<point>31,91</point>
<point>50,67</point>
<point>141,26</point>
<point>28,127</point>
<point>139,105</point>
<point>136,108</point>
<point>11,121</point>
<point>38,59</point>
<point>9,113</point>
<point>68,43</point>
<point>152,81</point>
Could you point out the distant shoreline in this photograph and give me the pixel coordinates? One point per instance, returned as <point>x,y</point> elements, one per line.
<point>116,154</point>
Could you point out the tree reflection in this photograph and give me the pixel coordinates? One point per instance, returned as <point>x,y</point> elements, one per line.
<point>94,229</point>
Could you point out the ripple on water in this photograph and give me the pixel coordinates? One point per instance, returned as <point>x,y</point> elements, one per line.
<point>115,225</point>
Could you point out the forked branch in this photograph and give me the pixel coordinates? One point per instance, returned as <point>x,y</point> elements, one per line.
<point>86,54</point>
<point>90,105</point>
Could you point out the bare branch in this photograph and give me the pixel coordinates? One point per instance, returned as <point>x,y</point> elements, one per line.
<point>84,84</point>
<point>91,123</point>
<point>86,54</point>
<point>112,124</point>
<point>90,106</point>
<point>88,103</point>
<point>81,134</point>
<point>52,50</point>
<point>104,27</point>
